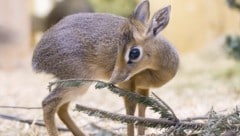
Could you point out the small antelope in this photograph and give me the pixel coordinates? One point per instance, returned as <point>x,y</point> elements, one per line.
<point>129,52</point>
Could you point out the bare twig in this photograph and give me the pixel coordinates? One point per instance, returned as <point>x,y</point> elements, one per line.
<point>165,104</point>
<point>20,107</point>
<point>72,83</point>
<point>30,122</point>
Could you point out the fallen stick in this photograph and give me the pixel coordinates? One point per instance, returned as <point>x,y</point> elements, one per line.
<point>28,121</point>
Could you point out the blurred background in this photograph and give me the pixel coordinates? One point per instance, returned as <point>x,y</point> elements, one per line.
<point>206,34</point>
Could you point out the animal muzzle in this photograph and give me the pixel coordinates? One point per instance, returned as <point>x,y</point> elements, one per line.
<point>119,77</point>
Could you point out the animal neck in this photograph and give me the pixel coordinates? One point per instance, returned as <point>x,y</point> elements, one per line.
<point>168,60</point>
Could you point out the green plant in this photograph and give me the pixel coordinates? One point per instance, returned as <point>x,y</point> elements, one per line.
<point>119,7</point>
<point>233,41</point>
<point>233,46</point>
<point>234,4</point>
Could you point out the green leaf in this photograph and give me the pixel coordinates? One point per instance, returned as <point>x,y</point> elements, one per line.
<point>100,85</point>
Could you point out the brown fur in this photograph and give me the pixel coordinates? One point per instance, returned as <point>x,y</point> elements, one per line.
<point>96,46</point>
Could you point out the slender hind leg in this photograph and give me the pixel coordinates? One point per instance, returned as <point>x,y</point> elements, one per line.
<point>141,110</point>
<point>129,105</point>
<point>57,102</point>
<point>49,110</point>
<point>66,119</point>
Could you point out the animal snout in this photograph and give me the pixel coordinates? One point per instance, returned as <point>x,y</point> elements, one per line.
<point>119,77</point>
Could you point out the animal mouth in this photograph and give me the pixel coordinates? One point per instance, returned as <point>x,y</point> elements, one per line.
<point>118,78</point>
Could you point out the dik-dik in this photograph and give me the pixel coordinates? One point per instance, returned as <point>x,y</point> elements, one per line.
<point>128,52</point>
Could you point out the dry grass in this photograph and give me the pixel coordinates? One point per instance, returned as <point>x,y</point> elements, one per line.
<point>205,79</point>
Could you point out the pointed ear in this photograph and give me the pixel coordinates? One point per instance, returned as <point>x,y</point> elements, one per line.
<point>142,12</point>
<point>159,21</point>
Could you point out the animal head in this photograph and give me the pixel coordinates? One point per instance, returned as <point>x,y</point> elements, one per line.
<point>142,50</point>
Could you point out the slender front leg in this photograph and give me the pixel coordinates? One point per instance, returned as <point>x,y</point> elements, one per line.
<point>130,110</point>
<point>141,110</point>
<point>129,105</point>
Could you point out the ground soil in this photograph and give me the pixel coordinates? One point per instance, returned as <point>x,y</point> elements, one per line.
<point>206,79</point>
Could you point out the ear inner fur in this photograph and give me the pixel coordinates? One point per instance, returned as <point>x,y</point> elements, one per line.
<point>159,21</point>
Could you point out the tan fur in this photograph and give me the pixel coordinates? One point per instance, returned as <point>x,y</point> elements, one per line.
<point>97,46</point>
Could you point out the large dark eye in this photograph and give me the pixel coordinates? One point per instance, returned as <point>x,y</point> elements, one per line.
<point>134,54</point>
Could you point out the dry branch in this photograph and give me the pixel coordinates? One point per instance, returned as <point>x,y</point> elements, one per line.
<point>165,104</point>
<point>20,107</point>
<point>27,121</point>
<point>148,122</point>
<point>213,124</point>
